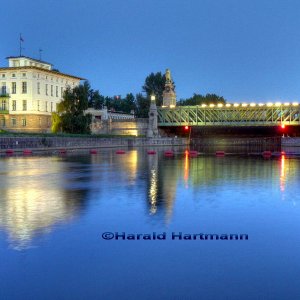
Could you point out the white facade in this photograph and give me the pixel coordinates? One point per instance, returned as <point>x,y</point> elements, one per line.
<point>33,87</point>
<point>104,114</point>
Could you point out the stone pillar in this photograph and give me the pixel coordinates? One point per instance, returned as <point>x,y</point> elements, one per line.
<point>152,125</point>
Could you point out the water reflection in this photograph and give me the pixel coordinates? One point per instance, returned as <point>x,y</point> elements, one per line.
<point>34,198</point>
<point>153,186</point>
<point>282,173</point>
<point>39,192</point>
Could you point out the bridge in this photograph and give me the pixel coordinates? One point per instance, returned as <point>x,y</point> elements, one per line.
<point>267,114</point>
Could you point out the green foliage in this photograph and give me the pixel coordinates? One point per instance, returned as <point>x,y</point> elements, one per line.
<point>143,105</point>
<point>155,84</point>
<point>70,115</point>
<point>95,100</point>
<point>198,99</point>
<point>56,123</point>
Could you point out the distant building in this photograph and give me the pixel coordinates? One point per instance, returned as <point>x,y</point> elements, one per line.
<point>30,90</point>
<point>112,122</point>
<point>104,114</point>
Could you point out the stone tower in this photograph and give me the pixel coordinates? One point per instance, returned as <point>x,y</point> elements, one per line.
<point>152,125</point>
<point>169,95</point>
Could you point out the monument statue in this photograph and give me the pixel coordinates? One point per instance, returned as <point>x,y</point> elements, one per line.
<point>169,95</point>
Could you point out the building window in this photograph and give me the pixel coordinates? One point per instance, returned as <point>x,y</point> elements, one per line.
<point>38,88</point>
<point>61,91</point>
<point>46,106</point>
<point>24,104</point>
<point>40,122</point>
<point>3,88</point>
<point>56,91</point>
<point>38,105</point>
<point>14,105</point>
<point>3,75</point>
<point>46,89</point>
<point>13,122</point>
<point>51,106</point>
<point>13,75</point>
<point>24,74</point>
<point>24,122</point>
<point>3,104</point>
<point>24,87</point>
<point>56,108</point>
<point>13,87</point>
<point>51,90</point>
<point>2,122</point>
<point>48,122</point>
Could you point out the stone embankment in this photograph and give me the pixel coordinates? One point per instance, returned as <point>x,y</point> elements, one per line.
<point>290,145</point>
<point>52,143</point>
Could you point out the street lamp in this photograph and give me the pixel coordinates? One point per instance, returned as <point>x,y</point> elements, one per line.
<point>152,97</point>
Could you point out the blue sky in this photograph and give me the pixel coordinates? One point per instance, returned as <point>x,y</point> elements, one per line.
<point>244,50</point>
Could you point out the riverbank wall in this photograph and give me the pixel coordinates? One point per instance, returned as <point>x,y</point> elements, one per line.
<point>52,143</point>
<point>290,145</point>
<point>247,145</point>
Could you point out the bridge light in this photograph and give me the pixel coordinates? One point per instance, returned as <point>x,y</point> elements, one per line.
<point>261,104</point>
<point>228,105</point>
<point>203,105</point>
<point>186,127</point>
<point>282,126</point>
<point>236,104</point>
<point>295,103</point>
<point>220,105</point>
<point>286,103</point>
<point>252,104</point>
<point>211,105</point>
<point>278,103</point>
<point>172,106</point>
<point>244,104</point>
<point>269,104</point>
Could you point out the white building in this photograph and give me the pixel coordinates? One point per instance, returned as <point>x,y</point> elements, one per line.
<point>29,92</point>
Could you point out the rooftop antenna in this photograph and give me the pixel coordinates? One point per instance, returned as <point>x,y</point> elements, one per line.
<point>40,54</point>
<point>21,41</point>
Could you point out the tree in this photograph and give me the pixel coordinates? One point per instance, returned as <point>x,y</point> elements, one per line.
<point>96,100</point>
<point>155,83</point>
<point>198,99</point>
<point>142,104</point>
<point>70,116</point>
<point>128,103</point>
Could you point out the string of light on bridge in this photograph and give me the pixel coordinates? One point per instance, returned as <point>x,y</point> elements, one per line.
<point>244,104</point>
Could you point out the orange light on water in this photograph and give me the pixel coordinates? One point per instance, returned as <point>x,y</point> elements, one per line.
<point>186,168</point>
<point>282,173</point>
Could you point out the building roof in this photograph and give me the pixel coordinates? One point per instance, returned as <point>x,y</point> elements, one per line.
<point>40,69</point>
<point>22,56</point>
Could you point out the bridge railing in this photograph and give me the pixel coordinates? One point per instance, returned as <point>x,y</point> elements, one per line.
<point>229,115</point>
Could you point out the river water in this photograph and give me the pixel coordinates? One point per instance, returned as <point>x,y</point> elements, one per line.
<point>54,211</point>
